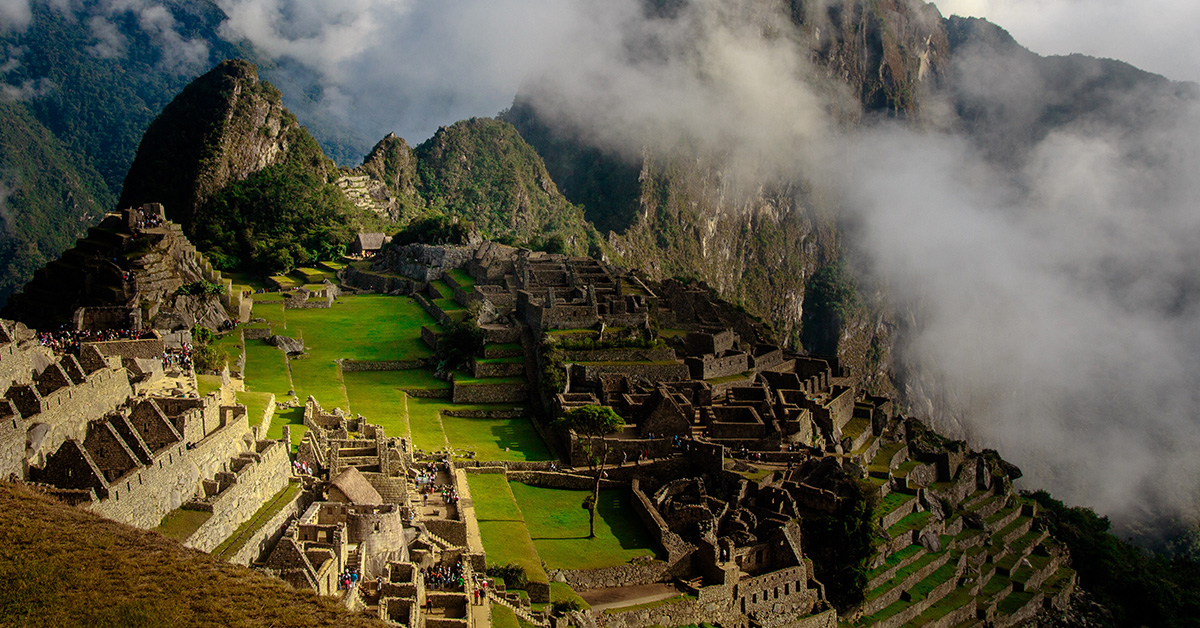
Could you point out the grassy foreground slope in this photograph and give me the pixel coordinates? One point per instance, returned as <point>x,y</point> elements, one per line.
<point>66,567</point>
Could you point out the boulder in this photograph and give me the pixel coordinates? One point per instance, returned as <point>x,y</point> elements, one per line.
<point>286,344</point>
<point>931,541</point>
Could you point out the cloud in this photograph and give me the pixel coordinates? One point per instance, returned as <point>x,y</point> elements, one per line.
<point>1155,35</point>
<point>1052,306</point>
<point>379,66</point>
<point>15,15</point>
<point>25,89</point>
<point>178,54</point>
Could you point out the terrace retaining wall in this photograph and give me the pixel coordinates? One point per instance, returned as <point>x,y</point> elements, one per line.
<point>386,365</point>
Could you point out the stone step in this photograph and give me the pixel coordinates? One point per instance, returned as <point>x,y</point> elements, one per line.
<point>1031,576</point>
<point>520,612</point>
<point>953,609</point>
<point>893,563</point>
<point>1015,529</point>
<point>1002,517</point>
<point>904,579</point>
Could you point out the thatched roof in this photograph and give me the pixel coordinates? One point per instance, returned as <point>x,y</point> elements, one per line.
<point>370,241</point>
<point>354,485</point>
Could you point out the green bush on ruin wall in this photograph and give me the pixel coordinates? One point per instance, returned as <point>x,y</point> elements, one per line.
<point>830,300</point>
<point>840,543</point>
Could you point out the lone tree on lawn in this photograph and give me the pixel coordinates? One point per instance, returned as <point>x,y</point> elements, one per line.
<point>592,424</point>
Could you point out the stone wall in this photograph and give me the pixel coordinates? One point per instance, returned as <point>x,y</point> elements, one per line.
<point>143,497</point>
<point>550,479</point>
<point>146,348</point>
<point>710,366</point>
<point>500,334</point>
<point>429,336</point>
<point>618,355</point>
<point>257,334</point>
<point>632,574</point>
<point>784,591</point>
<point>680,613</point>
<point>265,473</point>
<point>497,369</point>
<point>671,372</point>
<point>66,411</point>
<point>490,393</point>
<point>393,490</point>
<point>264,538</point>
<point>375,282</point>
<point>453,531</point>
<point>365,365</point>
<point>486,414</point>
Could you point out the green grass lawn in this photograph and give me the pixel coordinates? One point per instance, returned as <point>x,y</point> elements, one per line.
<point>425,422</point>
<point>256,404</point>
<point>293,417</point>
<point>208,383</point>
<point>503,617</point>
<point>496,439</point>
<point>462,278</point>
<point>448,305</point>
<point>513,359</point>
<point>179,524</point>
<point>505,537</point>
<point>270,307</point>
<point>313,275</point>
<point>558,524</point>
<point>364,327</point>
<point>266,369</point>
<point>465,379</point>
<point>229,344</point>
<point>317,375</point>
<point>378,395</point>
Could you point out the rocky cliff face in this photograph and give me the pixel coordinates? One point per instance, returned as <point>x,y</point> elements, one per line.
<point>891,53</point>
<point>223,127</point>
<point>758,245</point>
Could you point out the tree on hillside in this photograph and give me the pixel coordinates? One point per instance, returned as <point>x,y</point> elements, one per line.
<point>591,424</point>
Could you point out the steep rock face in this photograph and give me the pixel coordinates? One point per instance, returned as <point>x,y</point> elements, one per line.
<point>484,170</point>
<point>890,52</point>
<point>223,127</point>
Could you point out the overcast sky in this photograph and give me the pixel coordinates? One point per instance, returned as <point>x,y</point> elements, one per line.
<point>1155,35</point>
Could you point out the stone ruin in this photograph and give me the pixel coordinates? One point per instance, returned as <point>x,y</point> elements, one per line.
<point>125,274</point>
<point>730,439</point>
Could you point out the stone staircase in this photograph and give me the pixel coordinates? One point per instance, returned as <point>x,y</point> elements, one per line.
<point>520,612</point>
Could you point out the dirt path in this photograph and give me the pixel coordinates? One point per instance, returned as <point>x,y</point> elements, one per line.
<point>614,597</point>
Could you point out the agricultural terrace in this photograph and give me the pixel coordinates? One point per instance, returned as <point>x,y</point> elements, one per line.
<point>378,328</point>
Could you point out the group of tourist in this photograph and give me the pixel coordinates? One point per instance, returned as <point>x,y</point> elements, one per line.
<point>348,579</point>
<point>448,493</point>
<point>149,222</point>
<point>181,357</point>
<point>68,341</point>
<point>443,577</point>
<point>638,456</point>
<point>302,468</point>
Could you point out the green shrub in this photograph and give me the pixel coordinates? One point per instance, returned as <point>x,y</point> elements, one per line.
<point>512,574</point>
<point>435,228</point>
